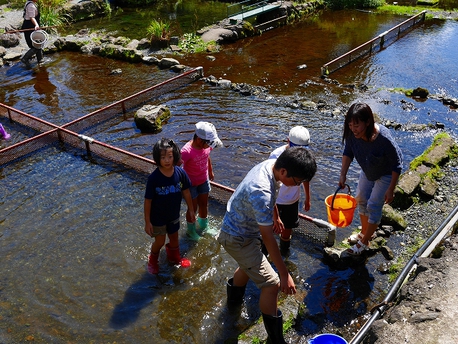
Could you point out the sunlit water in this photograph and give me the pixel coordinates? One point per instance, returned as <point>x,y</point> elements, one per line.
<point>72,241</point>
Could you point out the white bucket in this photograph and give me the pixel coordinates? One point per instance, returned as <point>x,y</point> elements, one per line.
<point>39,39</point>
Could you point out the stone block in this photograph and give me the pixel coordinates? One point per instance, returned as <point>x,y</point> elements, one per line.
<point>409,182</point>
<point>438,155</point>
<point>429,187</point>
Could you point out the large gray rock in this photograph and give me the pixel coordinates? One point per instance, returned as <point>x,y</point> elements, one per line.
<point>149,118</point>
<point>440,153</point>
<point>9,40</point>
<point>219,35</point>
<point>168,62</point>
<point>409,182</point>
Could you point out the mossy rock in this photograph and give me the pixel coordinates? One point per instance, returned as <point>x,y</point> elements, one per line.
<point>391,217</point>
<point>150,118</point>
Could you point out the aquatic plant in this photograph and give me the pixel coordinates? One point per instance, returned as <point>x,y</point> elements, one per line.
<point>158,32</point>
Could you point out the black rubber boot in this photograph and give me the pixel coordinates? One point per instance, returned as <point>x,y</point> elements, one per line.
<point>284,246</point>
<point>234,295</point>
<point>274,328</point>
<point>27,56</point>
<point>39,53</point>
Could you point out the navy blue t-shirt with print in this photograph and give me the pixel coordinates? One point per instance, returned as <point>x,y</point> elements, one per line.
<point>165,193</point>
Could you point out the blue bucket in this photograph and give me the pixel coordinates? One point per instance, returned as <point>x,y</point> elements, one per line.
<point>328,339</point>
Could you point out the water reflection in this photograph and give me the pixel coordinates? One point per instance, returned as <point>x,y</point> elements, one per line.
<point>45,88</point>
<point>336,296</point>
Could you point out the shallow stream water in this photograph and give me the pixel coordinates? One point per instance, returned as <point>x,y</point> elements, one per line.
<point>71,228</point>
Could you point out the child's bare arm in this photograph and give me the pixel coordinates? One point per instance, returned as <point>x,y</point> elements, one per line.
<point>188,199</point>
<point>211,176</point>
<point>278,223</point>
<point>147,212</point>
<point>307,196</point>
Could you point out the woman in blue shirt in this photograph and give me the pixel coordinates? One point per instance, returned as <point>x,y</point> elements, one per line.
<point>380,158</point>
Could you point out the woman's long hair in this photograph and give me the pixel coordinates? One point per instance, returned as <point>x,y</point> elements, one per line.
<point>359,112</point>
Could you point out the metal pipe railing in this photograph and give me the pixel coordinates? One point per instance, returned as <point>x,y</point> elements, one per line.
<point>424,251</point>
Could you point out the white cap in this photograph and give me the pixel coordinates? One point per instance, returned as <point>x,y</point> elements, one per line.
<point>207,131</point>
<point>299,136</point>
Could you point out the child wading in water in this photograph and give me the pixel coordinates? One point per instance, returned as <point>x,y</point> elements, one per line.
<point>196,160</point>
<point>165,188</point>
<point>249,221</point>
<point>288,197</point>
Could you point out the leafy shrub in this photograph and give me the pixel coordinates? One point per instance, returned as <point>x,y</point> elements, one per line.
<point>192,43</point>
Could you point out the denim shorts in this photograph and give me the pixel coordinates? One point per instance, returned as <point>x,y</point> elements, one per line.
<point>200,189</point>
<point>370,196</point>
<point>247,252</point>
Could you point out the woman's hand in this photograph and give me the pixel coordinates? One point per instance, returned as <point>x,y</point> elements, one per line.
<point>342,180</point>
<point>389,196</point>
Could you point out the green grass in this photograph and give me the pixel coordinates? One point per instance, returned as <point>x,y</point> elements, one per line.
<point>407,10</point>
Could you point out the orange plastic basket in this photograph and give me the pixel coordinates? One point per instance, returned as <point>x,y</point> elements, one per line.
<point>341,208</point>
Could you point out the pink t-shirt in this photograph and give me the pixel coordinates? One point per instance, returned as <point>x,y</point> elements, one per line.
<point>195,163</point>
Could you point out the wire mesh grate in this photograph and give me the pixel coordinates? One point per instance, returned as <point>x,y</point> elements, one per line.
<point>69,134</point>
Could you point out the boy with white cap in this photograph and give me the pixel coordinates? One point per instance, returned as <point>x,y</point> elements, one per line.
<point>195,156</point>
<point>287,204</point>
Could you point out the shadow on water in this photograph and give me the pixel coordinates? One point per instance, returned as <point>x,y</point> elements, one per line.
<point>138,296</point>
<point>45,88</point>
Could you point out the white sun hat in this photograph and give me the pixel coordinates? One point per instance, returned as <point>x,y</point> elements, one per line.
<point>207,131</point>
<point>299,136</point>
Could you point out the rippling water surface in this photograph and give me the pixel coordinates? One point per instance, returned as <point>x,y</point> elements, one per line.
<point>71,236</point>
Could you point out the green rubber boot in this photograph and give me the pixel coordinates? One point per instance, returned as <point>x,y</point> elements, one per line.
<point>207,230</point>
<point>203,223</point>
<point>191,232</point>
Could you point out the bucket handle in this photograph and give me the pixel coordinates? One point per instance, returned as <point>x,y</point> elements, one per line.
<point>335,193</point>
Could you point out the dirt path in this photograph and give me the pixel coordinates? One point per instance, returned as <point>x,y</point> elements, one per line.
<point>427,309</point>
